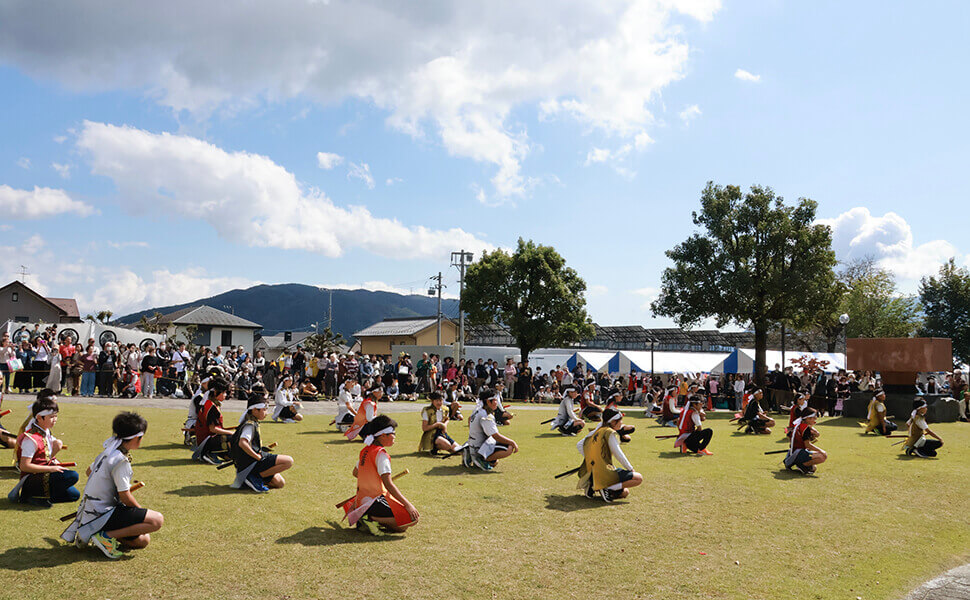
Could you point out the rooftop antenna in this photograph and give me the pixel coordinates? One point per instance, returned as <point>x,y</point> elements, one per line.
<point>23,274</point>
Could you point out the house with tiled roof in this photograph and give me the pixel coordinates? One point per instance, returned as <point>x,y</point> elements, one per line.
<point>405,331</point>
<point>213,327</point>
<point>21,304</point>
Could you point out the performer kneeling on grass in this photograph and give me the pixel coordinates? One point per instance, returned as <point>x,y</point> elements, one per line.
<point>256,467</point>
<point>346,413</point>
<point>803,454</point>
<point>42,480</point>
<point>486,445</point>
<point>365,412</point>
<point>378,502</point>
<point>567,421</point>
<point>669,414</point>
<point>796,410</point>
<point>917,443</point>
<point>597,475</point>
<point>502,416</point>
<point>757,420</point>
<point>212,437</point>
<point>286,402</point>
<point>434,424</point>
<point>878,421</point>
<point>613,402</point>
<point>693,437</point>
<point>587,403</point>
<point>109,516</point>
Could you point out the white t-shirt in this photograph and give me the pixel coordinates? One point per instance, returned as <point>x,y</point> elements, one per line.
<point>481,428</point>
<point>383,463</point>
<point>28,447</point>
<point>738,385</point>
<point>110,474</point>
<point>439,416</point>
<point>248,430</point>
<point>696,418</point>
<point>618,453</point>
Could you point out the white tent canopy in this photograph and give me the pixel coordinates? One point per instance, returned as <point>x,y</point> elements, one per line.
<point>591,359</point>
<point>639,361</point>
<point>742,360</point>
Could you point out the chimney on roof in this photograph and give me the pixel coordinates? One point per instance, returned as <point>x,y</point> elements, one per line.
<point>287,336</point>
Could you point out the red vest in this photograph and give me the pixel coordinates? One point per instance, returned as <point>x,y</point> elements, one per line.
<point>686,424</point>
<point>668,414</point>
<point>798,437</point>
<point>40,455</point>
<point>795,410</point>
<point>202,422</point>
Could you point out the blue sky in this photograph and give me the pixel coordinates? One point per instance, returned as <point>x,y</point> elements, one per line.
<point>161,153</point>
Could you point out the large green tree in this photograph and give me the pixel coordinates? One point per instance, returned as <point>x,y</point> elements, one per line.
<point>532,292</point>
<point>757,262</point>
<point>946,306</point>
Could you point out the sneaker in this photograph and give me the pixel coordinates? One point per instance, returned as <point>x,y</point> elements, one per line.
<point>365,525</point>
<point>289,420</point>
<point>466,458</point>
<point>480,462</point>
<point>606,494</point>
<point>109,546</point>
<point>210,460</point>
<point>705,452</point>
<point>255,483</point>
<point>920,454</point>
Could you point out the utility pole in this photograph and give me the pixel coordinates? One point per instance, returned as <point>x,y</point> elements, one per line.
<point>438,286</point>
<point>461,259</point>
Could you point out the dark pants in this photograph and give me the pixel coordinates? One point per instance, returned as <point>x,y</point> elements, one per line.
<point>40,372</point>
<point>929,447</point>
<point>698,440</point>
<point>55,487</point>
<point>106,381</point>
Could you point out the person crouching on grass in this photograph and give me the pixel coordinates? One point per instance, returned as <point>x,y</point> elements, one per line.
<point>210,434</point>
<point>755,418</point>
<point>597,475</point>
<point>434,427</point>
<point>878,421</point>
<point>693,437</point>
<point>567,422</point>
<point>803,454</point>
<point>917,443</point>
<point>109,516</point>
<point>366,412</point>
<point>379,502</point>
<point>286,402</point>
<point>486,446</point>
<point>256,467</point>
<point>42,480</point>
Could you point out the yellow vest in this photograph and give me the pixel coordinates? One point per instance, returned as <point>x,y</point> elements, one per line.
<point>598,460</point>
<point>427,414</point>
<point>876,417</point>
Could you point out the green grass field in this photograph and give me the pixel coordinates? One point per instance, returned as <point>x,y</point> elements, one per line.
<point>734,525</point>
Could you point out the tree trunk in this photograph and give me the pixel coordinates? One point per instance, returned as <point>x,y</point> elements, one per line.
<point>830,346</point>
<point>760,353</point>
<point>524,353</point>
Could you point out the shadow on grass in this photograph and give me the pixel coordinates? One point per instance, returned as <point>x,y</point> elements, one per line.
<point>458,469</point>
<point>333,535</point>
<point>343,441</point>
<point>5,505</point>
<point>839,422</point>
<point>673,454</point>
<point>573,502</point>
<point>207,489</point>
<point>168,462</point>
<point>908,457</point>
<point>168,446</point>
<point>22,559</point>
<point>550,434</point>
<point>786,474</point>
<point>325,432</point>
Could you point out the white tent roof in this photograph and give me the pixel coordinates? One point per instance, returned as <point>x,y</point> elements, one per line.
<point>670,362</point>
<point>594,359</point>
<point>744,362</point>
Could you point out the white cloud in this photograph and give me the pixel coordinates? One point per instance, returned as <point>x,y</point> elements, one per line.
<point>393,180</point>
<point>453,72</point>
<point>690,113</point>
<point>888,239</point>
<point>612,158</point>
<point>39,203</point>
<point>63,170</point>
<point>647,296</point>
<point>122,245</point>
<point>329,160</point>
<point>248,198</point>
<point>23,162</point>
<point>60,139</point>
<point>596,290</point>
<point>746,76</point>
<point>123,291</point>
<point>361,171</point>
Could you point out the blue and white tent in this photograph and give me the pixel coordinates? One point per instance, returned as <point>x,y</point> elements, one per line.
<point>742,360</point>
<point>594,360</point>
<point>644,361</point>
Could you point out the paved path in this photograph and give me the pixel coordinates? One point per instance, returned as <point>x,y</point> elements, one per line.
<point>952,585</point>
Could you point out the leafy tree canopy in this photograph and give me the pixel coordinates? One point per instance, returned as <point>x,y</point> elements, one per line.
<point>946,306</point>
<point>532,292</point>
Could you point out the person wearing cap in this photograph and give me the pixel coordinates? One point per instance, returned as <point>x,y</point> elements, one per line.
<point>365,412</point>
<point>797,408</point>
<point>567,422</point>
<point>286,403</point>
<point>693,436</point>
<point>755,419</point>
<point>378,502</point>
<point>669,413</point>
<point>210,435</point>
<point>917,443</point>
<point>256,467</point>
<point>434,427</point>
<point>109,517</point>
<point>43,480</point>
<point>597,475</point>
<point>878,421</point>
<point>803,454</point>
<point>486,445</point>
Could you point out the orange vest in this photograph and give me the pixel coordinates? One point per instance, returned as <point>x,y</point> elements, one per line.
<point>369,482</point>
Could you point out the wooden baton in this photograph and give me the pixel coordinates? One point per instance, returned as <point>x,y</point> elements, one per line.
<point>569,472</point>
<point>664,437</point>
<point>4,413</point>
<point>394,478</point>
<point>777,451</point>
<point>137,485</point>
<point>548,421</point>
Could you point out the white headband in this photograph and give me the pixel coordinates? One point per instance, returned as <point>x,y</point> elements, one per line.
<point>33,419</point>
<point>114,442</point>
<point>45,412</point>
<point>249,408</point>
<point>370,439</point>
<point>616,417</point>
